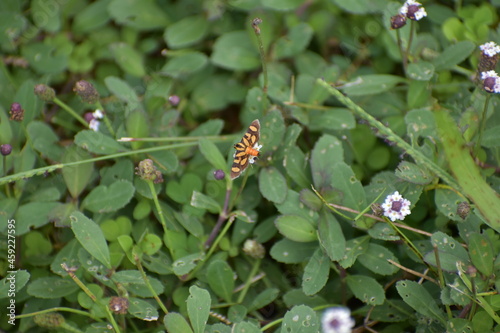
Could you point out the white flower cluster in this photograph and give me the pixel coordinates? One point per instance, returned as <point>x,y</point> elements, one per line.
<point>94,123</point>
<point>396,207</point>
<point>490,49</point>
<point>413,10</point>
<point>337,320</point>
<point>491,81</point>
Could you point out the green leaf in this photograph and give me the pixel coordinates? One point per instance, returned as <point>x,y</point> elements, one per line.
<point>371,84</point>
<point>417,296</point>
<point>491,137</point>
<point>91,17</point>
<point>182,191</point>
<point>331,119</point>
<point>234,51</point>
<point>420,123</point>
<point>272,185</point>
<point>354,248</point>
<point>184,64</point>
<point>331,236</point>
<point>98,143</point>
<point>45,58</point>
<point>420,71</point>
<point>297,166</point>
<point>186,264</point>
<point>300,319</point>
<point>123,91</point>
<point>51,287</point>
<point>449,250</point>
<point>129,60</point>
<point>294,42</point>
<point>272,131</point>
<point>103,199</point>
<point>481,253</point>
<point>316,273</point>
<point>361,6</point>
<point>282,4</point>
<point>142,309</point>
<point>138,14</point>
<point>446,202</point>
<point>454,55</point>
<point>310,199</point>
<point>44,139</point>
<point>375,259</point>
<point>212,154</point>
<point>33,215</point>
<point>174,322</point>
<point>245,327</point>
<point>186,32</point>
<point>200,200</point>
<point>220,278</point>
<point>327,151</point>
<point>414,173</point>
<point>198,306</point>
<point>90,237</point>
<point>21,278</point>
<point>76,176</point>
<point>263,299</point>
<point>366,289</point>
<point>296,228</point>
<point>290,252</point>
<point>134,282</point>
<point>344,180</point>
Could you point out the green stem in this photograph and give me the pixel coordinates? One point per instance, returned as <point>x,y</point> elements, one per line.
<point>51,168</point>
<point>391,136</point>
<point>404,59</point>
<point>248,282</point>
<point>71,112</point>
<point>412,32</point>
<point>483,123</point>
<point>256,29</point>
<point>148,284</point>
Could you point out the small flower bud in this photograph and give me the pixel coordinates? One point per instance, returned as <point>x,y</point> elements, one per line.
<point>413,10</point>
<point>463,209</point>
<point>45,93</point>
<point>254,249</point>
<point>86,91</point>
<point>16,112</point>
<point>398,21</point>
<point>49,320</point>
<point>377,209</point>
<point>147,171</point>
<point>219,174</point>
<point>119,305</point>
<point>255,25</point>
<point>5,149</point>
<point>174,100</point>
<point>489,57</point>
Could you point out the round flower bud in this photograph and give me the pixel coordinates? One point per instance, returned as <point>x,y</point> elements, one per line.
<point>174,100</point>
<point>463,209</point>
<point>254,249</point>
<point>5,149</point>
<point>398,21</point>
<point>219,174</point>
<point>16,112</point>
<point>86,91</point>
<point>44,92</point>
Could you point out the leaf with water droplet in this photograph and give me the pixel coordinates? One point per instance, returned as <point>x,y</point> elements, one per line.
<point>300,319</point>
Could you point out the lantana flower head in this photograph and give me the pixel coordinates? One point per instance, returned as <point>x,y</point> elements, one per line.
<point>396,207</point>
<point>413,10</point>
<point>337,320</point>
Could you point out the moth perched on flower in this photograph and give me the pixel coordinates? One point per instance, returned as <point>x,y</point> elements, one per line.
<point>246,150</point>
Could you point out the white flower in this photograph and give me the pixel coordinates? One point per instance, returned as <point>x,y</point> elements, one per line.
<point>337,320</point>
<point>94,125</point>
<point>413,10</point>
<point>490,49</point>
<point>396,207</point>
<point>98,114</point>
<point>487,74</point>
<point>251,159</point>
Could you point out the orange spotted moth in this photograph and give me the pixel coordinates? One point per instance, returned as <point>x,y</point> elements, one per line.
<point>246,150</point>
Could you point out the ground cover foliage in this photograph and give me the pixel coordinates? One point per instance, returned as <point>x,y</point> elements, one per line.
<point>153,235</point>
